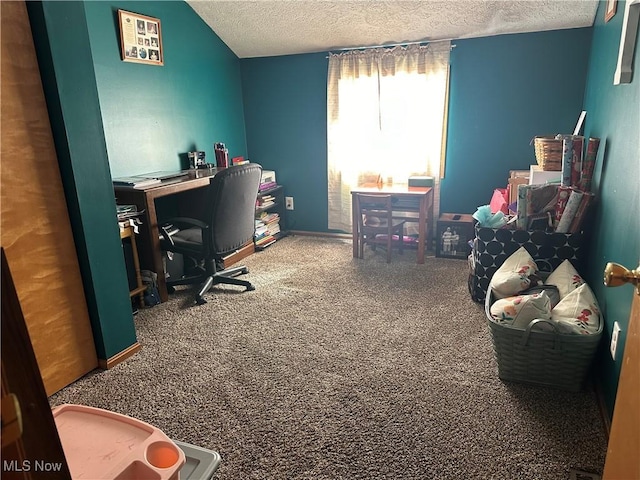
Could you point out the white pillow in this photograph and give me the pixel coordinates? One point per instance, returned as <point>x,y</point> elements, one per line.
<point>513,275</point>
<point>520,310</point>
<point>578,312</point>
<point>566,278</point>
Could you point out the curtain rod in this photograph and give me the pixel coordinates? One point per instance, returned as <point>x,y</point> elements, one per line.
<point>391,45</point>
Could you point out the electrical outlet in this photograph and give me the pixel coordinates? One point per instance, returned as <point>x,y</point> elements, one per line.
<point>288,202</point>
<point>614,339</point>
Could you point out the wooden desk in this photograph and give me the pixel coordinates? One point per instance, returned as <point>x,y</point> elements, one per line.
<point>406,199</point>
<point>150,253</point>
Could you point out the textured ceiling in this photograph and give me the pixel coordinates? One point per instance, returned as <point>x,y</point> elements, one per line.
<point>265,28</point>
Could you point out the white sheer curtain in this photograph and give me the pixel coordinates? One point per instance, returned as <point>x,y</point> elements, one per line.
<point>386,115</point>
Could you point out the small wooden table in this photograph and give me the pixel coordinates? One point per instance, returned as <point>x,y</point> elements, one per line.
<point>406,199</point>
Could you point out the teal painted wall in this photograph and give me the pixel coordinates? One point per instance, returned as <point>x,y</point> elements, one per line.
<point>114,118</point>
<point>504,90</point>
<point>285,102</point>
<point>74,111</point>
<point>613,115</point>
<point>153,115</point>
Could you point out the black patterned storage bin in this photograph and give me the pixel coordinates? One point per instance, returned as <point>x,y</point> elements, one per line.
<point>492,247</point>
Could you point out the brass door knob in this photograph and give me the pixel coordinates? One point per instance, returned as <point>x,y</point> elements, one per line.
<point>616,275</point>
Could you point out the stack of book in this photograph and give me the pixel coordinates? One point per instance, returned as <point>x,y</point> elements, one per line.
<point>265,201</point>
<point>268,180</point>
<point>267,228</point>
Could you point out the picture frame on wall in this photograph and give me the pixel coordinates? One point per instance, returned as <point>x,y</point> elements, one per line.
<point>610,10</point>
<point>140,38</point>
<point>453,233</point>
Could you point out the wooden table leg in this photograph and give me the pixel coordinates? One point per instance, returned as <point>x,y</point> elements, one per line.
<point>422,220</point>
<point>429,221</point>
<point>354,227</point>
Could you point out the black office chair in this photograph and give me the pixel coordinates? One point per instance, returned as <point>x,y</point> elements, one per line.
<point>228,225</point>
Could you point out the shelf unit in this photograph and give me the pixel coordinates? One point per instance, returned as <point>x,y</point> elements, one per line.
<point>127,232</point>
<point>278,207</point>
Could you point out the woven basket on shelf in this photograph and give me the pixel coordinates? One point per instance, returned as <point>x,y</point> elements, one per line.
<point>544,358</point>
<point>548,152</point>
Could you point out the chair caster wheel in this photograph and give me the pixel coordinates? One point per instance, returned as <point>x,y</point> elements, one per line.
<point>171,289</point>
<point>200,301</point>
<point>249,288</point>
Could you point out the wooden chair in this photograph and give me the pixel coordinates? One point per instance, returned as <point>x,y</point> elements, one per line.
<point>376,225</point>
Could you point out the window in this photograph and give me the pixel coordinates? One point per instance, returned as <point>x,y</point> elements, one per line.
<point>386,111</point>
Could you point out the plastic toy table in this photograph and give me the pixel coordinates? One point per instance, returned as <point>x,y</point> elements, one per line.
<point>201,463</point>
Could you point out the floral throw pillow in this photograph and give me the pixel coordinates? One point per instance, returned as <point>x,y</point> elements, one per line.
<point>520,310</point>
<point>566,278</point>
<point>514,274</point>
<point>578,312</point>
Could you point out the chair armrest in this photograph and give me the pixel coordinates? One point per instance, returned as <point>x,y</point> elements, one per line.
<point>181,223</point>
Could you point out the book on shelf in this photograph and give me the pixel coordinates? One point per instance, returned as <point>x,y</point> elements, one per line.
<point>273,228</point>
<point>267,216</point>
<point>238,161</point>
<point>260,231</point>
<point>267,186</point>
<point>266,219</point>
<point>265,241</point>
<point>266,205</point>
<point>136,181</point>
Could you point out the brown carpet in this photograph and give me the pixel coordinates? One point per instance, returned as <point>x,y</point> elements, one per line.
<point>339,368</point>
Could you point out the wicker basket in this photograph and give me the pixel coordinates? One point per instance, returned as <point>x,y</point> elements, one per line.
<point>548,152</point>
<point>545,358</point>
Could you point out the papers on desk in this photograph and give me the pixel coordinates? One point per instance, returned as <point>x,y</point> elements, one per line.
<point>145,180</point>
<point>128,215</point>
<point>125,212</point>
<point>136,181</point>
<point>165,174</point>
